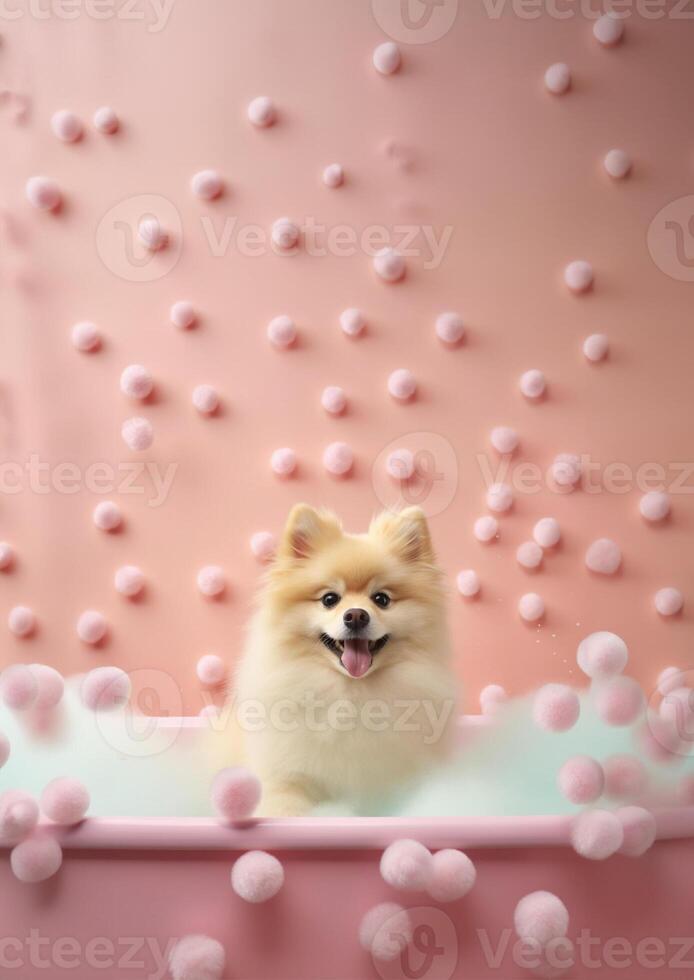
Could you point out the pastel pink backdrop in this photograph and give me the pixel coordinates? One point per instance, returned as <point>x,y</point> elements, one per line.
<point>479,146</point>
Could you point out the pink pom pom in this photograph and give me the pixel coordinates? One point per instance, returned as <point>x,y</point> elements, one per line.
<point>603,557</point>
<point>283,461</point>
<point>669,601</point>
<point>540,917</point>
<point>452,875</point>
<point>492,697</point>
<point>107,516</point>
<point>5,749</point>
<point>450,328</point>
<point>66,126</point>
<point>136,382</point>
<point>486,528</point>
<point>19,687</point>
<point>285,233</point>
<point>43,193</point>
<point>655,506</point>
<point>595,347</point>
<point>669,680</point>
<point>619,701</point>
<point>468,583</point>
<point>257,876</point>
<point>385,931</point>
<point>556,708</point>
<point>236,793</point>
<point>211,669</point>
<point>137,434</point>
<point>533,384</point>
<point>6,556</point>
<point>207,184</point>
<point>91,627</point>
<point>65,801</point>
<point>129,580</point>
<point>152,235</point>
<point>566,470</point>
<point>85,337</point>
<point>50,685</point>
<point>281,332</point>
<point>205,399</point>
<point>608,30</point>
<point>182,315</point>
<point>596,834</point>
<point>625,777</point>
<point>499,497</point>
<point>529,554</point>
<point>581,779</point>
<point>639,829</point>
<point>531,607</point>
<point>558,78</point>
<point>211,580</point>
<point>263,545</point>
<point>547,532</point>
<point>387,58</point>
<point>105,689</point>
<point>617,163</point>
<point>36,859</point>
<point>106,120</point>
<point>406,865</point>
<point>402,384</point>
<point>338,458</point>
<point>19,814</point>
<point>602,655</point>
<point>197,958</point>
<point>400,464</point>
<point>261,111</point>
<point>388,265</point>
<point>504,439</point>
<point>333,400</point>
<point>333,175</point>
<point>21,621</point>
<point>352,322</point>
<point>578,276</point>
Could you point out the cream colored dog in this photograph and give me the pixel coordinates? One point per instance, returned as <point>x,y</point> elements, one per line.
<point>345,690</point>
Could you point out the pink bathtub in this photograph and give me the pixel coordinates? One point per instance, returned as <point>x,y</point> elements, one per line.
<point>129,888</point>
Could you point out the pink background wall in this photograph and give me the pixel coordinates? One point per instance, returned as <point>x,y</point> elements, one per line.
<point>478,146</point>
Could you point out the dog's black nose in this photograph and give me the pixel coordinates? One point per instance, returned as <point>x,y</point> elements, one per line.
<point>356,619</point>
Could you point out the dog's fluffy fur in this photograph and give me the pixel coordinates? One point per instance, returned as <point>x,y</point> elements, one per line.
<point>314,730</point>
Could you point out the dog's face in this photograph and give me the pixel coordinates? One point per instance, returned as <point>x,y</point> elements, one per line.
<point>357,601</point>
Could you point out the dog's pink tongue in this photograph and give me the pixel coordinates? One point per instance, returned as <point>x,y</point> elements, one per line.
<point>356,658</point>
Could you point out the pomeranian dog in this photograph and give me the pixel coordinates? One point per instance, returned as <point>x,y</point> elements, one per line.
<point>344,691</point>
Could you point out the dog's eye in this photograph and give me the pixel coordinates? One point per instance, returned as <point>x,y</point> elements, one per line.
<point>330,599</point>
<point>381,599</point>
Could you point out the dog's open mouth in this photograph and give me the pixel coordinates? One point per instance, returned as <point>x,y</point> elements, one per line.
<point>356,655</point>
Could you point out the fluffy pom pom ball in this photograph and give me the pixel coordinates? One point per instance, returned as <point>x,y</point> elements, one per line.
<point>283,461</point>
<point>604,557</point>
<point>263,545</point>
<point>334,400</point>
<point>619,701</point>
<point>402,384</point>
<point>338,458</point>
<point>281,332</point>
<point>182,314</point>
<point>19,814</point>
<point>540,917</point>
<point>6,556</point>
<point>333,175</point>
<point>91,627</point>
<point>558,78</point>
<point>578,276</point>
<point>566,470</point>
<point>406,865</point>
<point>655,505</point>
<point>107,516</point>
<point>547,532</point>
<point>601,655</point>
<point>504,439</point>
<point>625,777</point>
<point>36,859</point>
<point>50,686</point>
<point>386,58</point>
<point>197,958</point>
<point>136,382</point>
<point>533,384</point>
<point>207,185</point>
<point>639,827</point>
<point>257,876</point>
<point>468,583</point>
<point>211,580</point>
<point>65,801</point>
<point>261,111</point>
<point>43,193</point>
<point>596,834</point>
<point>452,875</point>
<point>385,931</point>
<point>205,399</point>
<point>137,434</point>
<point>85,337</point>
<point>669,680</point>
<point>235,793</point>
<point>129,580</point>
<point>151,234</point>
<point>106,120</point>
<point>21,621</point>
<point>595,347</point>
<point>389,265</point>
<point>285,233</point>
<point>617,164</point>
<point>529,554</point>
<point>400,464</point>
<point>450,328</point>
<point>105,689</point>
<point>492,697</point>
<point>66,125</point>
<point>210,669</point>
<point>486,528</point>
<point>19,687</point>
<point>581,779</point>
<point>608,29</point>
<point>556,708</point>
<point>499,497</point>
<point>352,322</point>
<point>668,601</point>
<point>531,607</point>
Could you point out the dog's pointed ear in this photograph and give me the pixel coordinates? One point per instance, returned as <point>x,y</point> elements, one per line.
<point>407,533</point>
<point>306,530</point>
